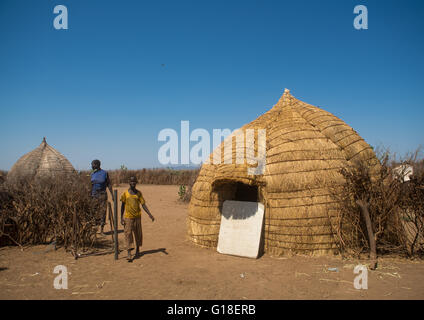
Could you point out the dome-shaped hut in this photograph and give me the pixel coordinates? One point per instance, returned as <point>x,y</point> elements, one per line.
<point>305,149</point>
<point>42,162</point>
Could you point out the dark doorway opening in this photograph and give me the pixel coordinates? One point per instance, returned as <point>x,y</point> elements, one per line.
<point>237,191</point>
<point>245,192</point>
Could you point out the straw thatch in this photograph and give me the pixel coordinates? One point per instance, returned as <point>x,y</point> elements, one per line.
<point>43,162</point>
<point>305,149</point>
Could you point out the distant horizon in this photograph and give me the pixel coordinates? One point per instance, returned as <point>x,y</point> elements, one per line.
<point>124,71</point>
<point>395,157</point>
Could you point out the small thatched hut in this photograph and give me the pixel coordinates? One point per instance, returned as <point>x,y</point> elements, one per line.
<point>42,162</point>
<point>305,149</point>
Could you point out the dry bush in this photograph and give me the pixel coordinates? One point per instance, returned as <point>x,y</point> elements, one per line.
<point>387,198</point>
<point>412,211</point>
<point>42,211</point>
<point>184,178</point>
<point>2,176</point>
<point>186,195</point>
<point>154,176</point>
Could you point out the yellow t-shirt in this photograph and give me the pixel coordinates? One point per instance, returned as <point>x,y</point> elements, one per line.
<point>132,204</point>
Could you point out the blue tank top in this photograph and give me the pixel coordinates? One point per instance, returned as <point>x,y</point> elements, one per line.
<point>98,181</point>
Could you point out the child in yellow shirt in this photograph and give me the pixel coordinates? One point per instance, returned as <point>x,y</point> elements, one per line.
<point>131,201</point>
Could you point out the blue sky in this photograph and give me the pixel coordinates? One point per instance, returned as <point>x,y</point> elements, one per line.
<point>124,70</point>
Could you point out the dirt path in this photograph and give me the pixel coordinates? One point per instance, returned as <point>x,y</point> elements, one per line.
<point>173,268</point>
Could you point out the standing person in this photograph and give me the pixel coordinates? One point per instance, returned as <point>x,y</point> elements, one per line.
<point>131,201</point>
<point>99,181</point>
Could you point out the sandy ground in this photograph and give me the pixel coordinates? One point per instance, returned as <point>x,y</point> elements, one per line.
<point>173,268</point>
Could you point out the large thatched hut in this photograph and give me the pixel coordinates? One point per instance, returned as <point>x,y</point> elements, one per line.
<point>42,162</point>
<point>305,149</point>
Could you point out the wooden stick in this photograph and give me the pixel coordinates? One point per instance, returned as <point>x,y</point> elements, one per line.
<point>115,207</point>
<point>110,215</point>
<point>75,241</point>
<point>373,251</point>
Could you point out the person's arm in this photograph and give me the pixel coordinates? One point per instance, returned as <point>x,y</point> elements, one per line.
<point>91,182</point>
<point>122,213</point>
<point>109,185</point>
<point>148,212</point>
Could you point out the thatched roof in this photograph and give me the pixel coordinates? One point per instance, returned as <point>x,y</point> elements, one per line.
<point>305,149</point>
<point>42,162</point>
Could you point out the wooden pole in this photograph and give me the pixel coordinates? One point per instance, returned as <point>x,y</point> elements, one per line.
<point>373,250</point>
<point>111,218</point>
<point>75,237</point>
<point>115,208</point>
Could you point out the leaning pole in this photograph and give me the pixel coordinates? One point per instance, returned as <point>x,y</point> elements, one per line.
<point>115,209</point>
